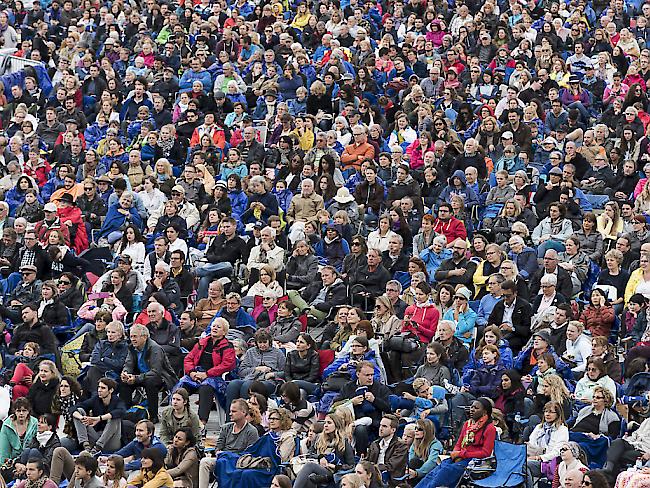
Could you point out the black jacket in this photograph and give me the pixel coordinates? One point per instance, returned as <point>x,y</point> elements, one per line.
<point>564,284</point>
<point>222,250</point>
<point>41,396</point>
<point>373,282</point>
<point>442,273</point>
<point>40,334</point>
<point>157,361</point>
<point>94,407</point>
<point>91,339</point>
<point>171,290</point>
<point>520,320</point>
<point>307,369</point>
<point>107,356</point>
<point>48,449</point>
<point>374,410</point>
<point>336,295</point>
<point>400,264</point>
<point>95,206</point>
<point>55,314</point>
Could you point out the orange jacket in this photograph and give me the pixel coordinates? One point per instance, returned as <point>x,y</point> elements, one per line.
<point>350,156</point>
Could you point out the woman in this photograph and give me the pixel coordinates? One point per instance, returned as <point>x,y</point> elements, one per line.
<point>545,441</point>
<point>132,244</point>
<point>114,476</point>
<point>182,461</point>
<point>578,347</point>
<point>302,366</point>
<point>178,415</point>
<point>346,328</point>
<point>302,265</point>
<point>435,368</point>
<point>384,321</point>
<point>67,397</point>
<point>610,223</point>
<point>596,424</point>
<point>502,225</point>
<point>356,259</point>
<point>598,315</point>
<point>152,474</point>
<point>152,198</point>
<point>510,397</point>
<point>302,414</point>
<point>613,279</point>
<point>595,377</point>
<point>476,440</point>
<point>378,239</point>
<point>553,230</point>
<point>333,451</point>
<point>35,475</point>
<point>50,309</point>
<point>435,254</point>
<point>18,430</point>
<point>266,284</point>
<point>119,289</point>
<point>424,453</point>
<point>169,218</point>
<point>408,294</point>
<point>491,336</point>
<point>444,298</point>
<point>42,446</point>
<point>120,214</point>
<point>494,256</point>
<point>591,241</point>
<point>462,315</point>
<point>368,473</point>
<point>344,368</point>
<point>639,281</point>
<point>572,459</point>
<point>44,387</point>
<point>575,262</point>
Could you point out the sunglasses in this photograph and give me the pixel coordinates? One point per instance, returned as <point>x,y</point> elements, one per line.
<point>64,282</point>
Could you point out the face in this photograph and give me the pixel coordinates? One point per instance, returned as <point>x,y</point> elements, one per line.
<point>550,415</point>
<point>593,372</point>
<point>476,410</point>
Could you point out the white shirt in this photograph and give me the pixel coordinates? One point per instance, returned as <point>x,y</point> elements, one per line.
<point>383,447</point>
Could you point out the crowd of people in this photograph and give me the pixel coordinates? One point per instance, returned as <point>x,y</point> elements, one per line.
<point>340,243</point>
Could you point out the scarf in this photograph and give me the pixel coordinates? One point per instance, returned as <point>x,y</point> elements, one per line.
<point>166,146</point>
<point>36,484</point>
<point>66,404</point>
<point>44,437</point>
<point>473,426</point>
<point>547,431</point>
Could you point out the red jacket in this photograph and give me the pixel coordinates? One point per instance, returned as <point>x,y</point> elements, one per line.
<point>426,319</point>
<point>73,214</point>
<point>483,444</point>
<point>223,357</point>
<point>452,229</point>
<point>599,320</point>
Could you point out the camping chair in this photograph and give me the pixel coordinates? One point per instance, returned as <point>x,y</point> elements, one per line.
<point>509,461</point>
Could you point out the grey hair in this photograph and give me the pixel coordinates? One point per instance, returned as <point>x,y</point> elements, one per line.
<point>257,179</point>
<point>549,279</point>
<point>449,323</point>
<point>440,239</point>
<point>518,240</point>
<point>162,264</point>
<point>420,275</point>
<point>118,325</point>
<point>140,329</point>
<point>271,230</point>
<point>397,284</point>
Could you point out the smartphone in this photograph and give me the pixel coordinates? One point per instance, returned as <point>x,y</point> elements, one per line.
<point>98,296</point>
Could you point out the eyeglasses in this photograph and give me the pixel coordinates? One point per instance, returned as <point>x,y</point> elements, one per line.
<point>547,286</point>
<point>394,290</point>
<point>586,483</point>
<point>88,188</point>
<point>564,449</point>
<point>599,397</point>
<point>159,273</point>
<point>64,282</point>
<point>356,243</point>
<point>274,418</point>
<point>419,429</point>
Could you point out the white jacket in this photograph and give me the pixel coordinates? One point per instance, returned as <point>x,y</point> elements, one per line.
<point>559,437</point>
<point>544,229</point>
<point>578,352</point>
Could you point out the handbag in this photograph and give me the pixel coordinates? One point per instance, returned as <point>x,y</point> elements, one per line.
<point>403,342</point>
<point>336,381</point>
<point>248,461</point>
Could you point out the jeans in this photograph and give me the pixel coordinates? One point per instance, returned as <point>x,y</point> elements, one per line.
<point>302,480</point>
<point>210,272</point>
<point>306,385</point>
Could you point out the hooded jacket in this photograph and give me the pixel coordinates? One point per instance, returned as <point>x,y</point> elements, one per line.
<point>223,357</point>
<point>465,191</point>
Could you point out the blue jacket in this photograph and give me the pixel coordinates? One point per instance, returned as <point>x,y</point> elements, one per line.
<point>130,107</point>
<point>526,262</point>
<point>284,198</point>
<point>50,186</point>
<point>93,134</point>
<point>560,366</point>
<point>474,363</point>
<point>433,260</point>
<point>238,202</point>
<point>465,191</point>
<point>114,220</point>
<point>109,357</point>
<point>135,448</point>
<point>288,87</point>
<point>190,76</point>
<point>244,320</point>
<point>15,198</point>
<point>486,381</point>
<point>270,207</point>
<point>352,369</point>
<point>465,324</point>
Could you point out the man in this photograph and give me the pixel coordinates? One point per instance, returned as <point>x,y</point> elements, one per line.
<point>394,259</point>
<point>360,150</point>
<point>487,303</point>
<point>144,438</point>
<point>549,193</point>
<point>457,270</point>
<point>512,315</point>
<point>388,452</point>
<point>92,206</point>
<point>27,290</point>
<point>369,400</point>
<point>98,420</point>
<point>50,128</point>
<point>393,292</point>
<point>138,99</point>
<point>32,330</point>
<point>159,254</point>
<point>521,132</point>
<point>242,324</point>
<point>557,328</point>
<point>81,472</point>
<point>194,190</point>
<point>181,275</point>
<point>166,334</point>
<point>550,266</point>
<point>146,365</point>
<point>250,149</point>
<point>369,193</point>
<point>49,223</point>
<point>320,298</point>
<point>224,251</point>
<point>573,479</point>
<point>234,436</point>
<point>369,281</point>
<point>316,153</point>
<point>448,225</point>
<point>303,208</point>
<point>162,282</point>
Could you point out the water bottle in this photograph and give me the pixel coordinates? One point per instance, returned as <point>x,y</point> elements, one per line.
<point>638,465</point>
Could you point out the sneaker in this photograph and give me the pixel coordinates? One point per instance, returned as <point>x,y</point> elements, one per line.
<point>204,431</point>
<point>94,452</point>
<point>319,479</point>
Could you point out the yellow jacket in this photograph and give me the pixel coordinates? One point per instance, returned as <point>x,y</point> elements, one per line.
<point>632,283</point>
<point>147,479</point>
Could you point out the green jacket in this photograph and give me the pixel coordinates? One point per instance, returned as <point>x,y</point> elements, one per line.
<point>11,445</point>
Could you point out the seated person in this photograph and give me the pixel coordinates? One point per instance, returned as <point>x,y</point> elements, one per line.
<point>35,475</point>
<point>98,420</point>
<point>286,327</point>
<point>344,368</point>
<point>546,439</point>
<point>320,297</point>
<point>94,335</point>
<point>595,376</point>
<point>108,356</point>
<point>424,453</point>
<point>178,414</point>
<point>152,473</point>
<point>182,461</point>
<point>42,445</point>
<point>26,363</point>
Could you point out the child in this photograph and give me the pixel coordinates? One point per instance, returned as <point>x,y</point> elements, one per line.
<point>307,444</point>
<point>283,194</point>
<point>545,368</point>
<point>422,403</point>
<point>342,218</point>
<point>634,320</point>
<point>114,475</point>
<point>27,363</point>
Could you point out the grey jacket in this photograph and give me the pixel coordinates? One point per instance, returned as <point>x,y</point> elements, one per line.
<point>301,270</point>
<point>157,361</point>
<point>285,329</point>
<point>273,358</point>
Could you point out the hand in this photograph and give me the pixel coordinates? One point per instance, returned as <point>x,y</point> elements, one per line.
<point>454,455</point>
<point>357,400</point>
<point>124,376</point>
<point>157,282</point>
<point>646,456</point>
<point>323,462</point>
<point>408,396</point>
<point>28,380</point>
<point>369,396</point>
<point>343,367</point>
<point>412,473</point>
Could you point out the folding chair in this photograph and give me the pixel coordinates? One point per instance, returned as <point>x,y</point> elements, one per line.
<point>510,470</point>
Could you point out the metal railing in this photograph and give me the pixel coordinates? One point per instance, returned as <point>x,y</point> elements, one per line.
<point>11,64</point>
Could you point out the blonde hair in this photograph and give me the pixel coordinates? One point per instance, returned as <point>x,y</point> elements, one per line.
<point>558,391</point>
<point>337,439</point>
